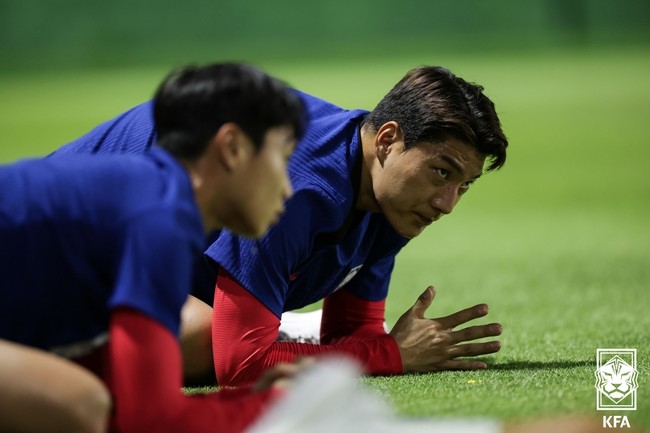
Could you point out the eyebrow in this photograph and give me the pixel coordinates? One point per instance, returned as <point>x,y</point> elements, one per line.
<point>451,161</point>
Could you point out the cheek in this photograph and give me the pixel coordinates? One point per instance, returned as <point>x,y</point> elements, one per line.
<point>388,184</point>
<point>388,192</point>
<point>270,181</point>
<point>274,177</point>
<point>398,189</point>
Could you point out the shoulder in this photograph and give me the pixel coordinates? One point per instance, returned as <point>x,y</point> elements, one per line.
<point>323,162</point>
<point>159,180</point>
<point>115,185</point>
<point>322,113</point>
<point>131,132</point>
<point>317,106</point>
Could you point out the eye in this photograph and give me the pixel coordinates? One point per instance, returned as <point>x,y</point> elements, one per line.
<point>442,172</point>
<point>465,185</point>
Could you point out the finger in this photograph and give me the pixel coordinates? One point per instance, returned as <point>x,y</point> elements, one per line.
<point>274,375</point>
<point>304,362</point>
<point>476,332</point>
<point>424,302</point>
<point>474,349</point>
<point>463,316</point>
<point>282,370</point>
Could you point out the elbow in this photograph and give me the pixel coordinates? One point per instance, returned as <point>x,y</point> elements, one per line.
<point>234,373</point>
<point>241,377</point>
<point>89,410</point>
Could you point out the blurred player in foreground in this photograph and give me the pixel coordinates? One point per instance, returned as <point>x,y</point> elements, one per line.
<point>98,253</point>
<point>365,183</point>
<point>328,398</point>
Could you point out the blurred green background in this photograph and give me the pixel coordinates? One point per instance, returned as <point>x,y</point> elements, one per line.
<point>45,34</point>
<point>68,64</point>
<point>558,242</point>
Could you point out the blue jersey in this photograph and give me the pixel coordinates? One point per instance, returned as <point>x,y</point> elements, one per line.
<point>322,243</point>
<point>83,235</point>
<point>133,133</point>
<point>130,133</point>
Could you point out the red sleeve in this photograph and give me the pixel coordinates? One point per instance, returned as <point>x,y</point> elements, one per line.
<point>347,317</point>
<point>244,333</point>
<point>145,378</point>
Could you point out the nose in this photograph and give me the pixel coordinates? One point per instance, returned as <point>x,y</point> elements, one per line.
<point>445,199</point>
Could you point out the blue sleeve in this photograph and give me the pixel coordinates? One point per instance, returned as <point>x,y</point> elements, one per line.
<point>372,281</point>
<point>132,132</point>
<point>154,274</point>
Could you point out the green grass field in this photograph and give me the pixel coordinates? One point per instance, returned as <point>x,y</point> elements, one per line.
<point>557,243</point>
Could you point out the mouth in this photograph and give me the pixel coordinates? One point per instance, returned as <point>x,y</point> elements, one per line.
<point>426,220</point>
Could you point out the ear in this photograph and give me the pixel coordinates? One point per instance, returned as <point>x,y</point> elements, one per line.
<point>388,134</point>
<point>229,146</point>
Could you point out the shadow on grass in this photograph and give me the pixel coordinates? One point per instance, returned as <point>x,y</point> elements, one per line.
<point>540,365</point>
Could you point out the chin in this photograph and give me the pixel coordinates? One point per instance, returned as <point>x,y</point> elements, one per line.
<point>259,230</point>
<point>259,233</point>
<point>404,225</point>
<point>412,233</point>
<point>252,228</point>
<point>408,231</point>
<point>244,230</point>
<point>252,233</point>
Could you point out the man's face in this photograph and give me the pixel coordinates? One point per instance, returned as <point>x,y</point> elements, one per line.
<point>417,186</point>
<point>264,184</point>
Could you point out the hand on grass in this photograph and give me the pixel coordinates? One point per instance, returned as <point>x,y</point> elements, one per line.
<point>280,376</point>
<point>433,344</point>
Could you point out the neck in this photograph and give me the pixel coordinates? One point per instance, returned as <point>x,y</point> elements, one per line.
<point>366,200</point>
<point>201,191</point>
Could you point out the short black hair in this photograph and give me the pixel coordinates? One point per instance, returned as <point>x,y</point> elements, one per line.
<point>193,102</point>
<point>432,104</point>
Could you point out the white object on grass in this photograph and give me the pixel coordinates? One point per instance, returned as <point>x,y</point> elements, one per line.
<point>328,398</point>
<point>302,327</point>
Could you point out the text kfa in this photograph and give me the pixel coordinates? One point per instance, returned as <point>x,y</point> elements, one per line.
<point>614,421</point>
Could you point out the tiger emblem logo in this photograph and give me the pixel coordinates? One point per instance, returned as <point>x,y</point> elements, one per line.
<point>616,379</point>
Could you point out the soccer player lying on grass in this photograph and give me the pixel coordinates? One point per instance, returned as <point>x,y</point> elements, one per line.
<point>365,183</point>
<point>97,256</point>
